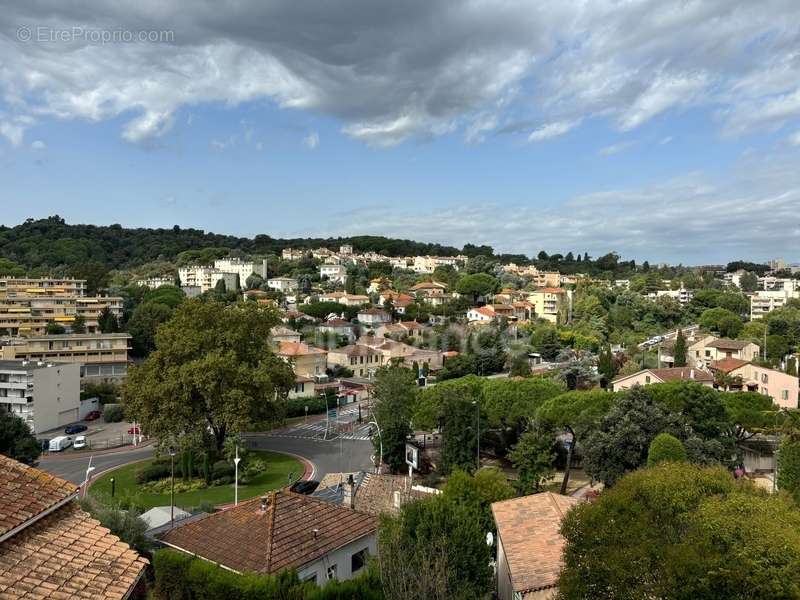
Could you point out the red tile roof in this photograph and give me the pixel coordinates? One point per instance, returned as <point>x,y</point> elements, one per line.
<point>726,365</point>
<point>25,493</point>
<point>726,344</point>
<point>682,374</point>
<point>52,548</point>
<point>282,536</point>
<point>297,349</point>
<point>528,528</point>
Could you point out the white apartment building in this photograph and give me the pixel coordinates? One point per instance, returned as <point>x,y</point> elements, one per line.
<point>155,282</point>
<point>293,253</point>
<point>346,249</point>
<point>764,302</point>
<point>12,287</point>
<point>206,278</point>
<point>682,295</point>
<point>336,273</point>
<point>235,265</point>
<point>44,395</point>
<point>282,284</point>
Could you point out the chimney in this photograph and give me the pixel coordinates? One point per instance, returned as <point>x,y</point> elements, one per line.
<point>347,498</point>
<point>264,503</point>
<point>691,374</point>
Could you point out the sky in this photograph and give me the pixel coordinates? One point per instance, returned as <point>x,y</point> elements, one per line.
<point>664,131</point>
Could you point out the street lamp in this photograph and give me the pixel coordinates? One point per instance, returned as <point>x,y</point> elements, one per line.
<point>478,432</point>
<point>172,486</point>
<point>236,478</point>
<point>89,470</point>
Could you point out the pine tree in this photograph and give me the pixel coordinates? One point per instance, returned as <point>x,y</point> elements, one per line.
<point>679,353</point>
<point>606,365</point>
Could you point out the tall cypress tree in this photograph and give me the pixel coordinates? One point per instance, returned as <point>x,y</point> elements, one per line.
<point>679,352</point>
<point>605,365</point>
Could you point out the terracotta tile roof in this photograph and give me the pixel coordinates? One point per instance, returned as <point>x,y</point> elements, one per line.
<point>550,290</point>
<point>26,492</point>
<point>297,349</point>
<point>682,374</point>
<point>373,311</point>
<point>429,285</point>
<point>336,323</point>
<point>410,325</point>
<point>486,311</point>
<point>355,350</point>
<point>67,554</point>
<point>528,529</point>
<point>726,344</point>
<point>247,538</point>
<point>726,365</point>
<point>376,493</point>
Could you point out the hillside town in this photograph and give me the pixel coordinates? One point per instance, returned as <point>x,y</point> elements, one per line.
<point>441,374</point>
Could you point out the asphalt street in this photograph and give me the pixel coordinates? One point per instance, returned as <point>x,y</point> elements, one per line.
<point>332,456</point>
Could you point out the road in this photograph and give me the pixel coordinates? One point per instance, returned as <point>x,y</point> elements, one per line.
<point>72,465</point>
<point>332,456</point>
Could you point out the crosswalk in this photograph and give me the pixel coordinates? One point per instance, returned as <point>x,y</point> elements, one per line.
<point>317,431</point>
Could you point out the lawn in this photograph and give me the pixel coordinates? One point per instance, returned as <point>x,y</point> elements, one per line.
<point>276,476</point>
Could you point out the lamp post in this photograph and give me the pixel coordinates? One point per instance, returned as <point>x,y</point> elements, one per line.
<point>172,486</point>
<point>236,478</point>
<point>89,470</point>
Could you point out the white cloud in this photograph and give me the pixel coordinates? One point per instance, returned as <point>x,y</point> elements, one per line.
<point>682,219</point>
<point>38,145</point>
<point>665,140</point>
<point>311,141</point>
<point>615,148</point>
<point>551,130</point>
<point>794,139</point>
<point>416,70</point>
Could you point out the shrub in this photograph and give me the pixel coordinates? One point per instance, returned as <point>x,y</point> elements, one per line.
<point>789,467</point>
<point>113,413</point>
<point>153,472</point>
<point>296,407</point>
<point>221,469</point>
<point>179,576</point>
<point>665,448</point>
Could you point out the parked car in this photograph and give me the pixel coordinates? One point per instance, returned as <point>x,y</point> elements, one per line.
<point>60,443</point>
<point>134,431</point>
<point>304,487</point>
<point>72,429</point>
<point>80,442</point>
<point>91,416</point>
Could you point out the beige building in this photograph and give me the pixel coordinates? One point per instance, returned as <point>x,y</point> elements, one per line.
<point>102,356</point>
<point>306,360</point>
<point>28,314</point>
<point>44,395</point>
<point>782,388</point>
<point>764,302</point>
<point>548,302</point>
<point>11,287</point>
<point>529,545</point>
<point>648,376</point>
<point>362,360</point>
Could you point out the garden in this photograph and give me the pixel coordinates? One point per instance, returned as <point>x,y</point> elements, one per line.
<point>199,481</point>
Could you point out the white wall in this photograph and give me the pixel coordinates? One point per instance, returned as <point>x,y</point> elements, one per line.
<point>341,558</point>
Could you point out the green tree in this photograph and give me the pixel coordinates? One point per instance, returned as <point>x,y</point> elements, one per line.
<point>606,366</point>
<point>533,457</point>
<point>16,439</point>
<point>679,350</point>
<point>678,531</point>
<point>789,466</point>
<point>519,366</point>
<point>394,396</point>
<point>78,324</point>
<point>621,442</point>
<point>53,328</point>
<point>777,348</point>
<point>107,321</point>
<point>748,282</point>
<point>726,322</point>
<point>477,284</point>
<point>665,448</point>
<point>143,324</point>
<point>212,373</point>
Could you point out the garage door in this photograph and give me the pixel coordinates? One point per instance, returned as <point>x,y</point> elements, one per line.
<point>66,417</point>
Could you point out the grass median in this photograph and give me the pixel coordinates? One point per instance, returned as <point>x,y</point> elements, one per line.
<point>281,470</point>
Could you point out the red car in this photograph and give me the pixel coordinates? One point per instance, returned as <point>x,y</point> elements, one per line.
<point>134,430</point>
<point>95,414</point>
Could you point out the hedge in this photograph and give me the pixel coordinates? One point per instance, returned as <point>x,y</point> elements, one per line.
<point>113,413</point>
<point>153,472</point>
<point>296,407</point>
<point>179,576</point>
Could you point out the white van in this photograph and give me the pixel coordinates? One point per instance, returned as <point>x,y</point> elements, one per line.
<point>80,442</point>
<point>59,443</point>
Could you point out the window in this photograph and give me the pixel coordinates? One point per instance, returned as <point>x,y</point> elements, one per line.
<point>311,577</point>
<point>331,572</point>
<point>764,378</point>
<point>784,394</point>
<point>358,560</point>
<point>647,378</point>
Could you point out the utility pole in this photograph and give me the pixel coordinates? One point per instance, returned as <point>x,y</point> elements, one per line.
<point>236,478</point>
